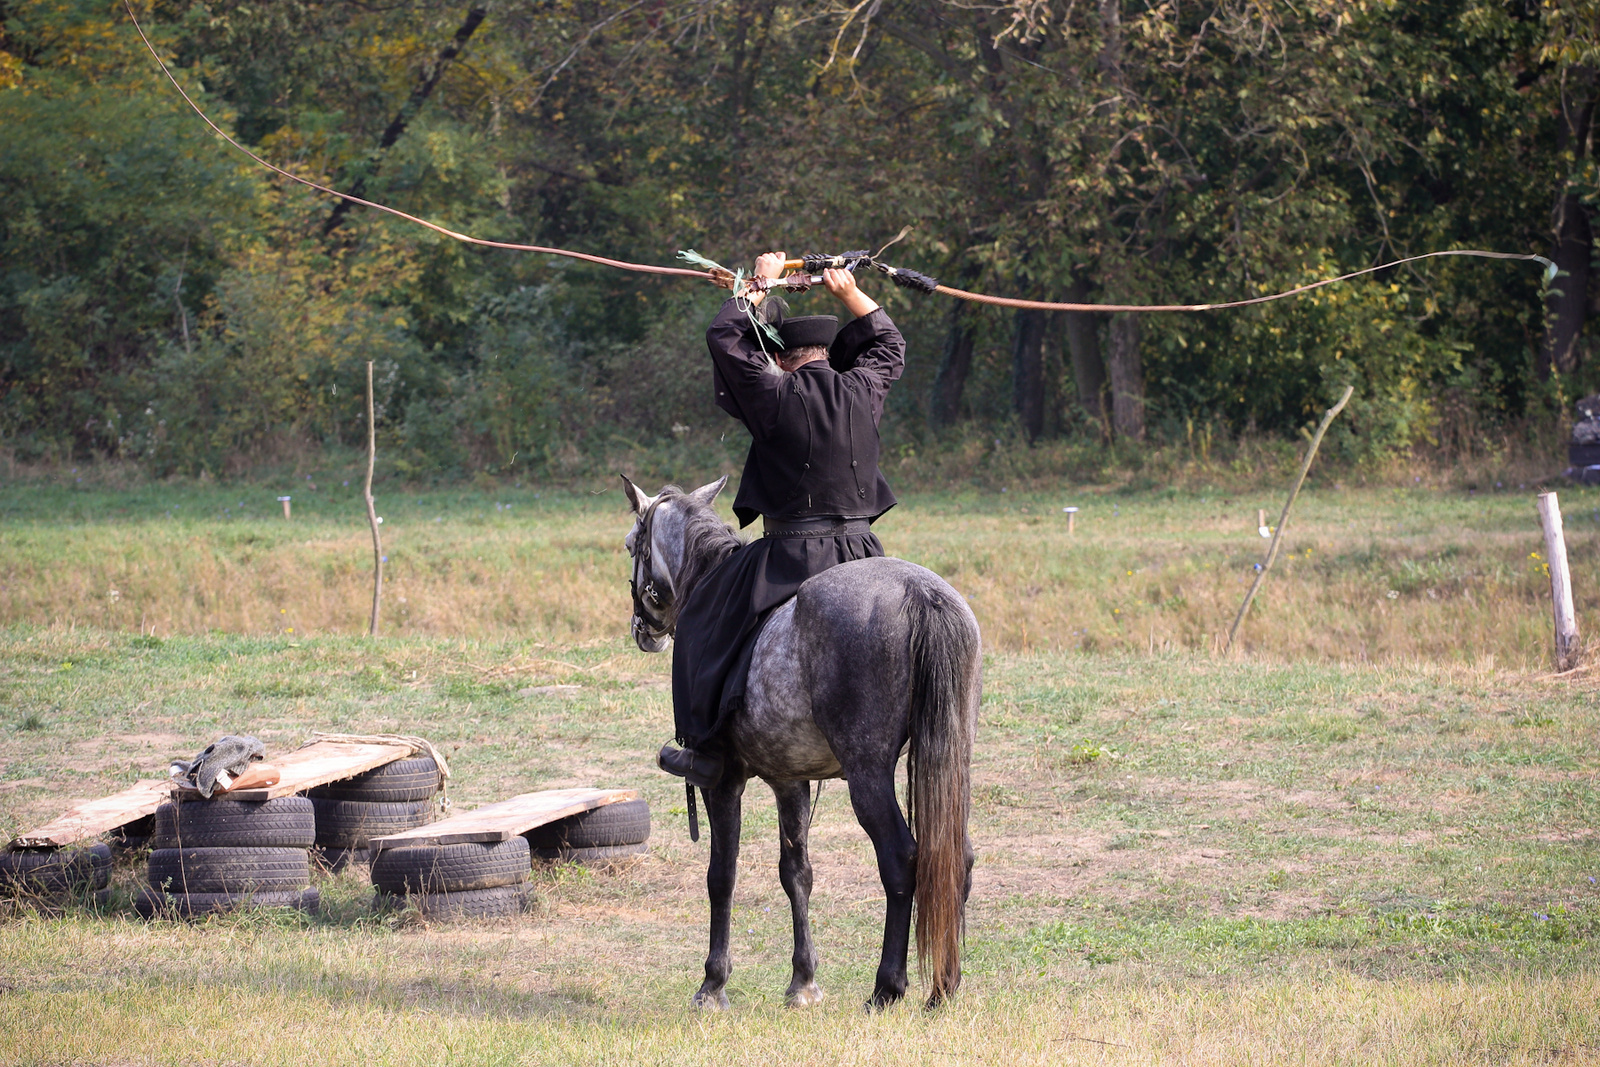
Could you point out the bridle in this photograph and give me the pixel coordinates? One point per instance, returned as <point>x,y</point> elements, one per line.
<point>653,616</point>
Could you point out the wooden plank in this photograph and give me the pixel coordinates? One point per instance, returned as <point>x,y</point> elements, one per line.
<point>90,818</point>
<point>506,819</point>
<point>316,764</point>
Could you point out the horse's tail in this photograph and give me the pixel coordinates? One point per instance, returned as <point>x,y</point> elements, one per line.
<point>946,664</point>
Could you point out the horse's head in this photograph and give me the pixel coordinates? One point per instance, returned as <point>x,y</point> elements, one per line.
<point>656,546</point>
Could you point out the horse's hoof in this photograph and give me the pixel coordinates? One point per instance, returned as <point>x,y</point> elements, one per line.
<point>807,996</point>
<point>707,1000</point>
<point>881,1000</point>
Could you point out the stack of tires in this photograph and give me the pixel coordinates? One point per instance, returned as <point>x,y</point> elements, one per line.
<point>602,835</point>
<point>133,836</point>
<point>218,855</point>
<point>51,878</point>
<point>465,880</point>
<point>394,797</point>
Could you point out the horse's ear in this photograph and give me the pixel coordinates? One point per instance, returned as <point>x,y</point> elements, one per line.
<point>707,493</point>
<point>636,496</point>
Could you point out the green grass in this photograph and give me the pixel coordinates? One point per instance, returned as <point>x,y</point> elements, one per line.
<point>1358,848</point>
<point>1368,574</point>
<point>1295,856</point>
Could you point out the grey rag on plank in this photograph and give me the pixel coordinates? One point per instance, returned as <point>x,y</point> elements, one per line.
<point>231,754</point>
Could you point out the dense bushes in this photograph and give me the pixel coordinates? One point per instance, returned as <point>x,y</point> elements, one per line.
<point>164,301</point>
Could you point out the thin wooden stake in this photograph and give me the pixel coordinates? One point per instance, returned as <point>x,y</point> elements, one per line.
<point>372,511</point>
<point>1555,550</point>
<point>1283,520</point>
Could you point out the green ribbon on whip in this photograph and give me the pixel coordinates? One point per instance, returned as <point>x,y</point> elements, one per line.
<point>764,329</point>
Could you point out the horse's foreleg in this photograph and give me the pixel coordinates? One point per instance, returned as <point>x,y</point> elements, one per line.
<point>794,870</point>
<point>872,797</point>
<point>723,812</point>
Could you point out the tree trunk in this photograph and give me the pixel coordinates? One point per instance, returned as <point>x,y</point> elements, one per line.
<point>1566,304</point>
<point>954,366</point>
<point>1027,371</point>
<point>1127,377</point>
<point>431,75</point>
<point>1088,366</point>
<point>1109,60</point>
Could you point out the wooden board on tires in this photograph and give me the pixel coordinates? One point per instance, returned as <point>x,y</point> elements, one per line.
<point>506,819</point>
<point>89,818</point>
<point>317,764</point>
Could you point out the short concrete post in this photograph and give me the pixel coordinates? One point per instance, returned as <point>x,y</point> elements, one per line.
<point>285,502</point>
<point>1555,551</point>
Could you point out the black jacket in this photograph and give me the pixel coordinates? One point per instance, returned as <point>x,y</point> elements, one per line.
<point>814,433</point>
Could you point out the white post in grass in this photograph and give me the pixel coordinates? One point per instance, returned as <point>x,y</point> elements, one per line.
<point>372,514</point>
<point>1555,550</point>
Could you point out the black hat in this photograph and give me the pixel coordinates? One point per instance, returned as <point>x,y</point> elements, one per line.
<point>804,331</point>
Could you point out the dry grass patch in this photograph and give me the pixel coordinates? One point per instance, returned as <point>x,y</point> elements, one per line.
<point>1367,574</point>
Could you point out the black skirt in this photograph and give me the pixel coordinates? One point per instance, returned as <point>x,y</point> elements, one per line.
<point>719,622</point>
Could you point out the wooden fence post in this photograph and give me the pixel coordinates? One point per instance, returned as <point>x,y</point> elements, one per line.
<point>1555,550</point>
<point>372,512</point>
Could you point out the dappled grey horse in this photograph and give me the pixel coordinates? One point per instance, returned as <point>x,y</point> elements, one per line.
<point>871,658</point>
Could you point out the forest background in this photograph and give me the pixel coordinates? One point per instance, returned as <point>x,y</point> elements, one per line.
<point>167,303</point>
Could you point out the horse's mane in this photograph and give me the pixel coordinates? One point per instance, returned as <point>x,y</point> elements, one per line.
<point>707,541</point>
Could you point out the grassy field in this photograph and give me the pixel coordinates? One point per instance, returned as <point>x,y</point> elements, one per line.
<point>1366,575</point>
<point>1301,856</point>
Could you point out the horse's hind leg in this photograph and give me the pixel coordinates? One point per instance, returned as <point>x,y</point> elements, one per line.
<point>794,869</point>
<point>723,812</point>
<point>872,797</point>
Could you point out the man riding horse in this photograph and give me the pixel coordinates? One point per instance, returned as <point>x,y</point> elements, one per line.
<point>812,476</point>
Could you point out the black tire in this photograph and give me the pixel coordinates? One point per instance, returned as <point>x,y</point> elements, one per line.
<point>133,836</point>
<point>153,903</point>
<point>624,823</point>
<point>334,860</point>
<point>451,868</point>
<point>499,902</point>
<point>101,899</point>
<point>417,778</point>
<point>587,856</point>
<point>55,872</point>
<point>352,823</point>
<point>228,870</point>
<point>288,822</point>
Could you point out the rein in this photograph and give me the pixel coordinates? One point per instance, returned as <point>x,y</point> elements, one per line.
<point>649,607</point>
